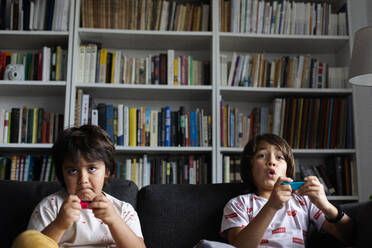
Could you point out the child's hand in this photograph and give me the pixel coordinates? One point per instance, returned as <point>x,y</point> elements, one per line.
<point>69,212</point>
<point>103,209</point>
<point>280,193</point>
<point>315,191</point>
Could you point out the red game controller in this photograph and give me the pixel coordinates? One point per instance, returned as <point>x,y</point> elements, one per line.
<point>84,204</point>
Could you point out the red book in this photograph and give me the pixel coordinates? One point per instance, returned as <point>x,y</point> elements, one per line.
<point>45,128</point>
<point>40,66</point>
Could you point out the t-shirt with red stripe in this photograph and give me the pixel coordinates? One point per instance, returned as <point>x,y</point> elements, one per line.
<point>289,226</point>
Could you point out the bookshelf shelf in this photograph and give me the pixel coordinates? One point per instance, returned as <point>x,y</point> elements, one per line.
<point>32,39</point>
<point>25,147</point>
<point>138,92</point>
<point>172,150</point>
<point>32,88</point>
<point>266,94</point>
<point>276,43</point>
<point>301,152</point>
<point>137,39</point>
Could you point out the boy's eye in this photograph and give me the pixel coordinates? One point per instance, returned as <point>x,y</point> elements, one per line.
<point>72,171</point>
<point>92,169</point>
<point>260,155</point>
<point>281,157</point>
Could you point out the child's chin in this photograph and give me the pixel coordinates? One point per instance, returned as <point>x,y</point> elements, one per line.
<point>85,196</point>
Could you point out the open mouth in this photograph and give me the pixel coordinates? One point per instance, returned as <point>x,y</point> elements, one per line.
<point>271,173</point>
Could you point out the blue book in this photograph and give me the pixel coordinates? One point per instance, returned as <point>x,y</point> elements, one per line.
<point>193,128</point>
<point>167,126</point>
<point>110,121</point>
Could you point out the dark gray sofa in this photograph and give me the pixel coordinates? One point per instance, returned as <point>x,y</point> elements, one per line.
<point>171,215</point>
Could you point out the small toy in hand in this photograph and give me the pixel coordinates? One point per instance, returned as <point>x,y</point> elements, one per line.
<point>295,185</point>
<point>84,204</point>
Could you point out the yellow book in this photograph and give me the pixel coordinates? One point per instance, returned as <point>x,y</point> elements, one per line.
<point>112,67</point>
<point>34,126</point>
<point>175,72</point>
<point>59,63</point>
<point>102,66</point>
<point>132,126</point>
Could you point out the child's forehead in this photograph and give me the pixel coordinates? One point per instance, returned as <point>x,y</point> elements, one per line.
<point>80,162</point>
<point>264,145</point>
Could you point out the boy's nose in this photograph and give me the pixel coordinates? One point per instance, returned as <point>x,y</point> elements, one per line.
<point>83,178</point>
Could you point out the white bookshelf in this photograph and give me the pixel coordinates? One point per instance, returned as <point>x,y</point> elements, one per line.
<point>53,96</point>
<point>210,45</point>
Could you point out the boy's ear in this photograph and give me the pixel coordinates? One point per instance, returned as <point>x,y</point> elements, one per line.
<point>107,174</point>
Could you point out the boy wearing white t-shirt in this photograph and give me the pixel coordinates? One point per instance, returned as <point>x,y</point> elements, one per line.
<point>82,215</point>
<point>276,216</point>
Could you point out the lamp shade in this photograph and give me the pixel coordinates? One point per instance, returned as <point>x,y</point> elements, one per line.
<point>361,61</point>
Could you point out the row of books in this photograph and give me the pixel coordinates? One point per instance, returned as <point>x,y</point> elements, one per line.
<point>50,63</point>
<point>253,70</point>
<point>305,122</point>
<point>231,169</point>
<point>27,168</point>
<point>281,17</point>
<point>29,125</point>
<point>337,174</point>
<point>163,170</point>
<point>143,126</point>
<point>174,15</point>
<point>34,15</point>
<point>102,65</point>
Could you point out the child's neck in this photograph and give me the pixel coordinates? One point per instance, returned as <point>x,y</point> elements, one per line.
<point>264,194</point>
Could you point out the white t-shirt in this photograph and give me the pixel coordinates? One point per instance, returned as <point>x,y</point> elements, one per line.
<point>288,227</point>
<point>88,231</point>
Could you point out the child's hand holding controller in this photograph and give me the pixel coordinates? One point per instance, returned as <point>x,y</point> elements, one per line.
<point>280,193</point>
<point>315,191</point>
<point>69,212</point>
<point>103,209</point>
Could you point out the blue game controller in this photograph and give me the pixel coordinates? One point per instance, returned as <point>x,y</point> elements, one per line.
<point>295,185</point>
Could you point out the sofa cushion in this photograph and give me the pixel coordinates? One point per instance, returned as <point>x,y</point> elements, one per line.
<point>181,215</point>
<point>20,198</point>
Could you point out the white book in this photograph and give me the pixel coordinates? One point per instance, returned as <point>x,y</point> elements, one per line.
<point>277,111</point>
<point>146,172</point>
<point>133,73</point>
<point>170,61</point>
<point>260,18</point>
<point>87,63</point>
<point>2,119</point>
<point>232,68</point>
<point>94,117</point>
<point>164,16</point>
<point>46,63</point>
<point>300,70</point>
<point>126,125</point>
<point>139,173</point>
<point>120,124</point>
<point>223,70</point>
<point>64,21</point>
<point>48,168</point>
<point>124,70</point>
<point>226,169</point>
<point>248,16</point>
<point>81,64</point>
<point>236,16</point>
<point>56,14</point>
<point>27,168</point>
<point>117,67</point>
<point>243,18</point>
<point>267,16</point>
<point>148,70</point>
<point>93,63</point>
<point>154,128</point>
<point>42,11</point>
<point>239,72</point>
<point>34,15</point>
<point>128,169</point>
<point>192,173</point>
<point>84,110</point>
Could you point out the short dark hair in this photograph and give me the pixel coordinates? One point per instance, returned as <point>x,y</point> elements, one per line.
<point>89,142</point>
<point>250,150</point>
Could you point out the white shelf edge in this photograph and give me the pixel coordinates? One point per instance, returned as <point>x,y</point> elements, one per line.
<point>26,146</point>
<point>285,90</point>
<point>163,149</point>
<point>144,87</point>
<point>144,32</point>
<point>42,32</point>
<point>297,151</point>
<point>284,36</point>
<point>32,83</point>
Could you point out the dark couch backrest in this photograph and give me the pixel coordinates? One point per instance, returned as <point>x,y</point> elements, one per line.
<point>180,215</point>
<point>20,198</point>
